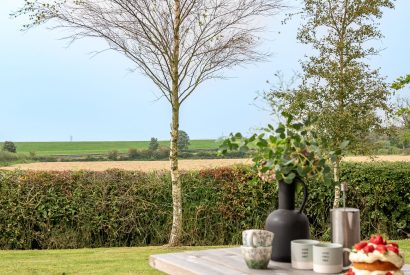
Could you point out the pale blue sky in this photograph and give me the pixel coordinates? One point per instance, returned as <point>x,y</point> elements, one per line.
<point>49,92</point>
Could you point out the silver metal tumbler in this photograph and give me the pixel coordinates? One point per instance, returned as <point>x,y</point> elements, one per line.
<point>345,228</point>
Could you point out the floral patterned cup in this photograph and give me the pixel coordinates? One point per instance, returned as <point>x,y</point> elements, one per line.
<point>257,257</point>
<point>257,238</point>
<point>257,248</point>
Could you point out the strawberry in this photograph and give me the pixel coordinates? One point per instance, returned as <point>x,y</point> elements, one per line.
<point>389,273</point>
<point>368,249</point>
<point>350,272</point>
<point>393,248</point>
<point>377,239</point>
<point>381,248</point>
<point>360,245</point>
<point>394,244</point>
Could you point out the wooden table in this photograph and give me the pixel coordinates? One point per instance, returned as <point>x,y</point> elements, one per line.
<point>227,261</point>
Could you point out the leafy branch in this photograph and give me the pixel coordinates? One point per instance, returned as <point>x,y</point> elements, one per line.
<point>290,150</point>
<point>401,82</point>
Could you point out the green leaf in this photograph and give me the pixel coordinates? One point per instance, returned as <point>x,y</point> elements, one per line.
<point>288,117</point>
<point>234,146</point>
<point>289,162</point>
<point>297,126</point>
<point>291,176</point>
<point>322,162</point>
<point>262,143</point>
<point>300,172</point>
<point>280,129</point>
<point>287,180</point>
<point>299,188</point>
<point>252,138</point>
<point>344,144</point>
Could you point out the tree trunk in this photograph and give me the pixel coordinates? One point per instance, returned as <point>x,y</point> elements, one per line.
<point>336,178</point>
<point>341,107</point>
<point>176,231</point>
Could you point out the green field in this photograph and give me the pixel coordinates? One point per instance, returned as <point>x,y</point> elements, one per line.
<point>97,147</point>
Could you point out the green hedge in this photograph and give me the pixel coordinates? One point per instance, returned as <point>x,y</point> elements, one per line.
<point>45,210</point>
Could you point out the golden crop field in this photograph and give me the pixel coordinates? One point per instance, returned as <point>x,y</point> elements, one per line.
<point>196,164</point>
<point>163,165</point>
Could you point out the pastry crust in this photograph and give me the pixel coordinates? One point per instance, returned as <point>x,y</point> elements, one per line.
<point>375,266</point>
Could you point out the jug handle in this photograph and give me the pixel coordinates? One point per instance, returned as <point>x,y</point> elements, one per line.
<point>347,266</point>
<point>305,195</point>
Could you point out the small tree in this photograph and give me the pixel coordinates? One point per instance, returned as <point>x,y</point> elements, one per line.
<point>183,140</point>
<point>340,92</point>
<point>9,146</point>
<point>153,144</point>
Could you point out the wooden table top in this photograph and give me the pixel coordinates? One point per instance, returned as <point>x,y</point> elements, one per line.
<point>220,261</point>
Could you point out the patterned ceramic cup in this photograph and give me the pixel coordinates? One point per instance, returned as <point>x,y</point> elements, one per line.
<point>257,257</point>
<point>257,238</point>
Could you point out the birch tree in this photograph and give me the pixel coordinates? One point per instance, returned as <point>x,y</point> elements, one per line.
<point>178,44</point>
<point>339,90</point>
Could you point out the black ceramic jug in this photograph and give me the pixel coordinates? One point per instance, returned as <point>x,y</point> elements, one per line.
<point>286,223</point>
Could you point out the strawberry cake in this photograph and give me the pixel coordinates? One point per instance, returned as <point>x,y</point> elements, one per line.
<point>376,257</point>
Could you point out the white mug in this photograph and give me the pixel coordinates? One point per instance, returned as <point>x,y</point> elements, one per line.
<point>328,258</point>
<point>302,253</point>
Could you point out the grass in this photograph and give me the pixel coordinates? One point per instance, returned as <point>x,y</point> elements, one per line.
<point>83,261</point>
<point>97,147</point>
<point>97,261</point>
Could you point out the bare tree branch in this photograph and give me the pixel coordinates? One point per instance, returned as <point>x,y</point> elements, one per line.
<point>215,34</point>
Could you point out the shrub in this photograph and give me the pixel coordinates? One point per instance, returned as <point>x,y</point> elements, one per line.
<point>44,210</point>
<point>153,144</point>
<point>383,151</point>
<point>7,156</point>
<point>133,153</point>
<point>9,146</point>
<point>113,155</point>
<point>161,154</point>
<point>145,154</point>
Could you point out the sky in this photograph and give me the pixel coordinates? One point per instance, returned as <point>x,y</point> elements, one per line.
<point>50,91</point>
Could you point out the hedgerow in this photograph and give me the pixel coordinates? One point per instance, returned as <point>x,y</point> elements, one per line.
<point>46,210</point>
